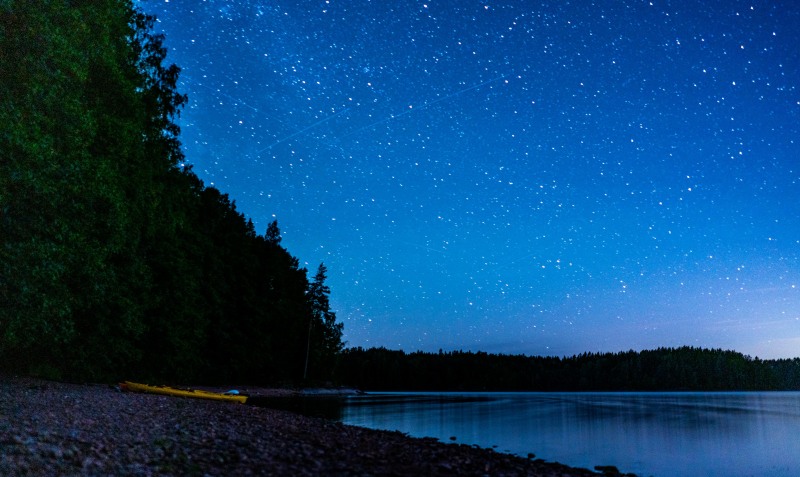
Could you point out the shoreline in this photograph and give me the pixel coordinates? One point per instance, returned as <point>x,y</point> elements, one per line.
<point>50,428</point>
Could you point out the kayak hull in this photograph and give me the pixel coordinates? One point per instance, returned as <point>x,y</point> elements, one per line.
<point>190,393</point>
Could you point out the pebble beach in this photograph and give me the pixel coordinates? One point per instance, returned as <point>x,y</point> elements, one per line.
<point>54,428</point>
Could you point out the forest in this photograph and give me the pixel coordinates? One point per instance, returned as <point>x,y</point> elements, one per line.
<point>115,259</point>
<point>663,369</point>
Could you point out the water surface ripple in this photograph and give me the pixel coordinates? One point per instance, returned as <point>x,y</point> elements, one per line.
<point>660,434</point>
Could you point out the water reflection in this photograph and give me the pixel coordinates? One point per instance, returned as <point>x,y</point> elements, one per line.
<point>730,434</point>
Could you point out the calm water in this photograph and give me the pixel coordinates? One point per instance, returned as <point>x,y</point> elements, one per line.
<point>658,434</point>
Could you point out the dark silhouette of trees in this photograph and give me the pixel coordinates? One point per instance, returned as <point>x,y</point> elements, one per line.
<point>685,368</point>
<point>273,235</point>
<point>324,333</point>
<point>116,261</point>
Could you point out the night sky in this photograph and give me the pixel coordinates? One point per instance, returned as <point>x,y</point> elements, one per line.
<point>544,178</point>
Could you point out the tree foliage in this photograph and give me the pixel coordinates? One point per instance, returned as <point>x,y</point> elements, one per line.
<point>685,368</point>
<point>116,261</point>
<point>323,330</point>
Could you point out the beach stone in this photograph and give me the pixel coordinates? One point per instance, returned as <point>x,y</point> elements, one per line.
<point>52,428</point>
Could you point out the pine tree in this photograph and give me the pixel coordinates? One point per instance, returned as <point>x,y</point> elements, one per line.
<point>324,334</point>
<point>273,235</point>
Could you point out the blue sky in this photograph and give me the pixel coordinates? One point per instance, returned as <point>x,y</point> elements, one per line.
<point>544,178</point>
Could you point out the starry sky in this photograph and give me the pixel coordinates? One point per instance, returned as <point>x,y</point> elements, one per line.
<point>513,176</point>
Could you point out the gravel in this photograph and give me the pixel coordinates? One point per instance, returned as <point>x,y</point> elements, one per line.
<point>52,428</point>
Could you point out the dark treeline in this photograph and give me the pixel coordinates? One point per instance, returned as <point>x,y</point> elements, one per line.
<point>683,368</point>
<point>115,260</point>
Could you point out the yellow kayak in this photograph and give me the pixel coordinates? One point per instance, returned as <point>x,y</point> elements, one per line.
<point>192,393</point>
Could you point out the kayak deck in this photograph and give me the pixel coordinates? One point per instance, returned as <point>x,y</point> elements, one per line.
<point>191,393</point>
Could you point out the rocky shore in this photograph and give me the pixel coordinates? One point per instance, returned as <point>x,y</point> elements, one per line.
<point>52,428</point>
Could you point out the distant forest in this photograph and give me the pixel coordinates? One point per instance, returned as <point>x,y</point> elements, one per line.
<point>663,369</point>
<point>116,261</point>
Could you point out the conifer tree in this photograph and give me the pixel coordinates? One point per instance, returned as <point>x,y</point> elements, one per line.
<point>325,334</point>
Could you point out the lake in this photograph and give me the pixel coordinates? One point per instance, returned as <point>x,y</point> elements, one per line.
<point>658,434</point>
